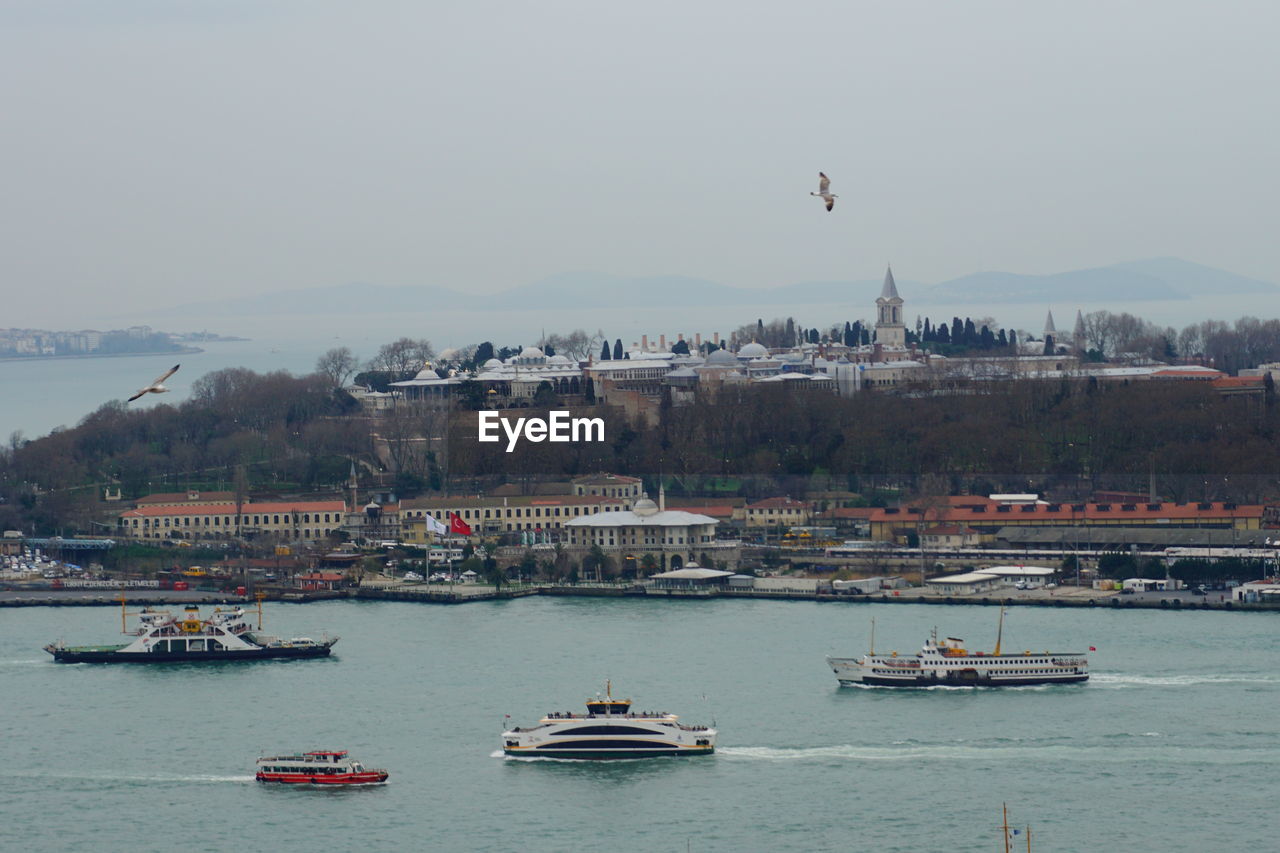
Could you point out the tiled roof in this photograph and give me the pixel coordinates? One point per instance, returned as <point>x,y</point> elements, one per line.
<point>604,480</point>
<point>247,509</point>
<point>779,503</point>
<point>1068,512</point>
<point>184,497</point>
<point>491,502</point>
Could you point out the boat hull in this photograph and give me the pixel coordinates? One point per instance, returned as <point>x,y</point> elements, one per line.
<point>979,681</point>
<point>72,655</point>
<point>372,778</point>
<point>607,754</point>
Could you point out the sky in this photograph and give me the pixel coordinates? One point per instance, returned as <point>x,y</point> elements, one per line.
<point>162,152</point>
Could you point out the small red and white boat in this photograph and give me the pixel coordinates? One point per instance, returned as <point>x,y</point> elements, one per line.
<point>322,767</point>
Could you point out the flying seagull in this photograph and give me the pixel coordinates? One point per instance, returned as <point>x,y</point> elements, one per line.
<point>824,193</point>
<point>156,387</point>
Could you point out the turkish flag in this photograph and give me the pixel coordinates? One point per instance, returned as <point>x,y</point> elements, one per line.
<point>457,525</point>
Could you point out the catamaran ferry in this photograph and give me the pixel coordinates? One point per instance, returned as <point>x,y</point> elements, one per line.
<point>609,729</point>
<point>948,662</point>
<point>163,637</point>
<point>322,767</point>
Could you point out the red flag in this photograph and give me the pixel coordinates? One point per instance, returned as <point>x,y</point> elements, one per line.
<point>1093,648</point>
<point>457,525</point>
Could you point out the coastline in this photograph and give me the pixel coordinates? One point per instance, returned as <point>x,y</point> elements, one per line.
<point>443,594</point>
<point>182,351</point>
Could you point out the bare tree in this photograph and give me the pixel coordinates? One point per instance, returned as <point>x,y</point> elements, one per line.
<point>337,365</point>
<point>402,357</point>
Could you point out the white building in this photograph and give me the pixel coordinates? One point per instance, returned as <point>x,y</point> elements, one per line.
<point>674,537</point>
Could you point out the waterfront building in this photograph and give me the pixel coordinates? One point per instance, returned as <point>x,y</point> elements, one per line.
<point>672,537</point>
<point>495,515</point>
<point>608,486</point>
<point>949,536</point>
<point>287,520</point>
<point>987,516</point>
<point>778,512</point>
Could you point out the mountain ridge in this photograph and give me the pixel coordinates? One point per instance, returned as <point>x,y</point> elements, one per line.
<point>1150,279</point>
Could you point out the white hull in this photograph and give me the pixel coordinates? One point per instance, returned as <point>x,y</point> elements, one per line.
<point>948,663</point>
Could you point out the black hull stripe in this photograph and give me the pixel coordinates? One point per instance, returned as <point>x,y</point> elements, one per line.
<point>976,682</point>
<point>182,657</point>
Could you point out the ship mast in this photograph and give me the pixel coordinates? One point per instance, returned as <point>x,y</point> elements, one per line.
<point>873,636</point>
<point>1004,827</point>
<point>1000,630</point>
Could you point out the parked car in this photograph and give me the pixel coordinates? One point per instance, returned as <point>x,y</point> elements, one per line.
<point>412,576</point>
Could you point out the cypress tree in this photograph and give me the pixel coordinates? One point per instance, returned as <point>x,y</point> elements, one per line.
<point>617,350</point>
<point>604,351</point>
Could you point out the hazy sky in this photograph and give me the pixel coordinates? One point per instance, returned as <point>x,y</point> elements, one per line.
<point>167,151</point>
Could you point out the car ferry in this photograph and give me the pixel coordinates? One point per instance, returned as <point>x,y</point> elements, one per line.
<point>947,662</point>
<point>609,729</point>
<point>163,637</point>
<point>321,767</point>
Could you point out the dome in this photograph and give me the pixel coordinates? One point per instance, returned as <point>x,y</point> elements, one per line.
<point>753,350</point>
<point>449,355</point>
<point>557,359</point>
<point>645,507</point>
<point>493,364</point>
<point>532,352</point>
<point>427,372</point>
<point>722,357</point>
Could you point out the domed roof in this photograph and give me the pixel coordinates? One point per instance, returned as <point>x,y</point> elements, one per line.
<point>532,352</point>
<point>493,364</point>
<point>721,356</point>
<point>449,354</point>
<point>753,350</point>
<point>427,372</point>
<point>645,507</point>
<point>557,359</point>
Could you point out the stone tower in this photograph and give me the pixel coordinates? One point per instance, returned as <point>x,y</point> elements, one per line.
<point>890,330</point>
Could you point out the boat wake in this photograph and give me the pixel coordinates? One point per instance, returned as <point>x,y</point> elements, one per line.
<point>994,752</point>
<point>1122,680</point>
<point>159,778</point>
<point>580,762</point>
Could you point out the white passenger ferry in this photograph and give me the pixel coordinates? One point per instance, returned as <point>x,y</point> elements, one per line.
<point>948,662</point>
<point>163,637</point>
<point>609,729</point>
<point>321,767</point>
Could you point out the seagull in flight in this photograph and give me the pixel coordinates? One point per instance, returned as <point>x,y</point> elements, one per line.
<point>824,192</point>
<point>156,387</point>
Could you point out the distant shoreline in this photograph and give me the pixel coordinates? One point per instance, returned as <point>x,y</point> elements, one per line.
<point>182,351</point>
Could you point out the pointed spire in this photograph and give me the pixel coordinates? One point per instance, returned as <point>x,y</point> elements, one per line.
<point>1079,324</point>
<point>890,290</point>
<point>1048,323</point>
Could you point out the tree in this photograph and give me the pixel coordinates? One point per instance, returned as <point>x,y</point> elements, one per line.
<point>484,352</point>
<point>604,352</point>
<point>681,347</point>
<point>402,358</point>
<point>1048,345</point>
<point>617,350</point>
<point>337,365</point>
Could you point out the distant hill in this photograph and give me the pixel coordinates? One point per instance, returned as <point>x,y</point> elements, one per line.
<point>1158,278</point>
<point>605,290</point>
<point>1154,279</point>
<point>351,298</point>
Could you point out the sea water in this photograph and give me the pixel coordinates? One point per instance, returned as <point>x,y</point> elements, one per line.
<point>1171,746</point>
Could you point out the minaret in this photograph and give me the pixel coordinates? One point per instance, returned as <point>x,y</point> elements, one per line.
<point>890,330</point>
<point>1078,337</point>
<point>1049,327</point>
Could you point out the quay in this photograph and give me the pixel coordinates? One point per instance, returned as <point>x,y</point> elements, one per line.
<point>466,593</point>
